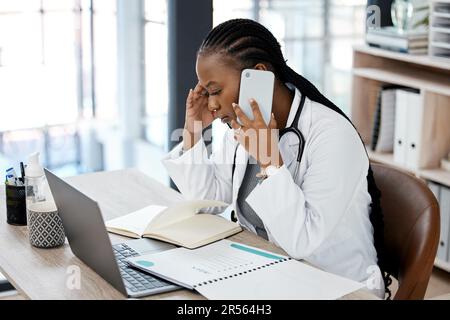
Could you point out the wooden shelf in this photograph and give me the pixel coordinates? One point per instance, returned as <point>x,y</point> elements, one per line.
<point>410,78</point>
<point>442,265</point>
<point>386,158</point>
<point>437,175</point>
<point>423,60</point>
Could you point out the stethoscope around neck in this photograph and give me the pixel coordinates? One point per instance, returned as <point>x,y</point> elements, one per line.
<point>293,128</point>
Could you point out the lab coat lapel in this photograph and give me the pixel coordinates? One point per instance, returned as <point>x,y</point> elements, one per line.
<point>288,148</point>
<point>239,171</point>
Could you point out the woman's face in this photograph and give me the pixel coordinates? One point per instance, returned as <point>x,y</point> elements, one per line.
<point>220,82</point>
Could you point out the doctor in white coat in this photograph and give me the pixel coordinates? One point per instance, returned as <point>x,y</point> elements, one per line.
<point>317,209</point>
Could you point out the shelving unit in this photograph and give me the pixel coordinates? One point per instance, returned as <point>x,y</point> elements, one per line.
<point>430,82</point>
<point>373,68</point>
<point>439,44</point>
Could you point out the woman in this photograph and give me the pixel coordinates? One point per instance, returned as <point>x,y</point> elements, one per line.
<point>324,209</point>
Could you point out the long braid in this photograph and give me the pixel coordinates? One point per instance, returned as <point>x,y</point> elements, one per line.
<point>249,43</point>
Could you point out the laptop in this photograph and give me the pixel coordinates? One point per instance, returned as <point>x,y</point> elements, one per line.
<point>89,241</point>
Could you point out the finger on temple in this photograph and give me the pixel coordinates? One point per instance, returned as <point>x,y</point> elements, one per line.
<point>198,88</point>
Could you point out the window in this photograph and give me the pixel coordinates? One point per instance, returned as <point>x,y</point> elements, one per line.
<point>316,38</point>
<point>57,69</point>
<point>223,11</point>
<point>104,67</point>
<point>38,77</point>
<point>156,73</point>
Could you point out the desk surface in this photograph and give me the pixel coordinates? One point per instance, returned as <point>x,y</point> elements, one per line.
<point>43,273</point>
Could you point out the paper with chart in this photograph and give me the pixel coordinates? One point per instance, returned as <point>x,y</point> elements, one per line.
<point>231,270</point>
<point>289,280</point>
<point>221,259</point>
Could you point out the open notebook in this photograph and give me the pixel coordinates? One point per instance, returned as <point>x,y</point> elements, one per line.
<point>180,224</point>
<point>230,270</point>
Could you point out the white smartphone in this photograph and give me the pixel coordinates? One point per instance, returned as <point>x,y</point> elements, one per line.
<point>256,84</point>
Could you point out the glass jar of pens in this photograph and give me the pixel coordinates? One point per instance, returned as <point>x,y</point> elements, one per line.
<point>29,201</point>
<point>16,212</point>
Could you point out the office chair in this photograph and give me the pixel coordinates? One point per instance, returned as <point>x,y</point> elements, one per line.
<point>411,229</point>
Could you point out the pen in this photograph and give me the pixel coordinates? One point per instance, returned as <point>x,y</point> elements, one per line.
<point>22,172</point>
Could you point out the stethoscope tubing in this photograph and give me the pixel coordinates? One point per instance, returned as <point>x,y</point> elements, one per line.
<point>293,128</point>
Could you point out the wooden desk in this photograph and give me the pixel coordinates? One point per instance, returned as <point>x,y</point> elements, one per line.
<point>43,273</point>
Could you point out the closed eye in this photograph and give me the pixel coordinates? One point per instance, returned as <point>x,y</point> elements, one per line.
<point>215,93</point>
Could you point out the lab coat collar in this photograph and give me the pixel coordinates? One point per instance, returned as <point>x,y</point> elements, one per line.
<point>289,142</point>
<point>295,103</point>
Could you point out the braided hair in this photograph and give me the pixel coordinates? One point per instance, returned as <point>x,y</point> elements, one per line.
<point>248,43</point>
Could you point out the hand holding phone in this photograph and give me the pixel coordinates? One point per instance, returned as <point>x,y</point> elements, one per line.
<point>257,85</point>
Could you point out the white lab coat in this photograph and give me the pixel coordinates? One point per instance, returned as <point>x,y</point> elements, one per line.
<point>321,216</point>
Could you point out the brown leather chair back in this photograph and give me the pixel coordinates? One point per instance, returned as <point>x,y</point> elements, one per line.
<point>411,229</point>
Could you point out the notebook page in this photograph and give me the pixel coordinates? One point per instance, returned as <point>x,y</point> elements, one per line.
<point>181,211</point>
<point>287,280</point>
<point>197,230</point>
<point>136,221</point>
<point>214,261</point>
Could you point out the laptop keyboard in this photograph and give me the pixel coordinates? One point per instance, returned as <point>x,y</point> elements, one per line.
<point>135,280</point>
